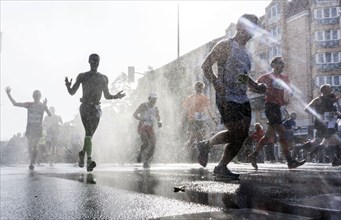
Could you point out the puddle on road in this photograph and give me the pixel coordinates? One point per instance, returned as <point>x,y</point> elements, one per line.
<point>267,191</point>
<point>198,184</point>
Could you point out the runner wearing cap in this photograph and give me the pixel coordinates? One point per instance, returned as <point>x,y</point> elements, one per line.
<point>147,114</point>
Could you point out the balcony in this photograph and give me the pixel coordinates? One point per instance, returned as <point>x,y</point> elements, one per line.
<point>328,21</point>
<point>328,66</point>
<point>328,44</point>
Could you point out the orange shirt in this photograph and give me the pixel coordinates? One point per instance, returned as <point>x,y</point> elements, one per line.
<point>196,105</point>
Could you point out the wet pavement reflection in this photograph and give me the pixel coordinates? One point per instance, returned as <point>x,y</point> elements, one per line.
<point>277,190</point>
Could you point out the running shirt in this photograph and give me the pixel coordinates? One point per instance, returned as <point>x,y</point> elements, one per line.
<point>52,124</point>
<point>35,113</point>
<point>148,115</point>
<point>232,73</point>
<point>196,106</point>
<point>277,85</point>
<point>257,135</point>
<point>326,107</point>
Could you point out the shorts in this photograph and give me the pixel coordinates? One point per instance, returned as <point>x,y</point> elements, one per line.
<point>273,113</point>
<point>34,131</point>
<point>322,131</point>
<point>146,130</point>
<point>233,111</point>
<point>90,110</point>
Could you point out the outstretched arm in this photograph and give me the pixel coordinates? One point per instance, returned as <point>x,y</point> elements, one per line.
<point>107,94</point>
<point>46,108</point>
<point>72,89</point>
<point>311,106</point>
<point>18,104</point>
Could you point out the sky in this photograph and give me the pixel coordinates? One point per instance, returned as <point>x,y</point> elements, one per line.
<point>42,42</point>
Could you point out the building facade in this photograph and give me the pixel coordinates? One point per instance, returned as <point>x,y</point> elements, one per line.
<point>306,33</point>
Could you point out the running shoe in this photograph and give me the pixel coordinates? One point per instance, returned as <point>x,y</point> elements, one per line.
<point>90,165</point>
<point>31,167</point>
<point>146,165</point>
<point>203,151</point>
<point>81,155</point>
<point>223,171</point>
<point>336,162</point>
<point>294,163</point>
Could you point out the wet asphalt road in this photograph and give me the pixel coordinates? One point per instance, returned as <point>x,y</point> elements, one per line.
<point>128,191</point>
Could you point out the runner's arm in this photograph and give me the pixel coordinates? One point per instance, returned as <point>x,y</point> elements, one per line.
<point>18,104</point>
<point>216,55</point>
<point>106,92</point>
<point>73,89</point>
<point>311,106</point>
<point>158,118</point>
<point>137,112</point>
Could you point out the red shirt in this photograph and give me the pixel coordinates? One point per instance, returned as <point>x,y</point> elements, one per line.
<point>277,85</point>
<point>257,135</point>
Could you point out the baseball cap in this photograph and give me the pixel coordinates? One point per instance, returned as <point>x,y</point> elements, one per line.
<point>152,95</point>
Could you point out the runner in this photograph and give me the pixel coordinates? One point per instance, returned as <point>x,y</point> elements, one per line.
<point>231,84</point>
<point>147,114</point>
<point>195,110</point>
<point>277,85</point>
<point>51,126</point>
<point>326,111</point>
<point>34,128</point>
<point>93,85</point>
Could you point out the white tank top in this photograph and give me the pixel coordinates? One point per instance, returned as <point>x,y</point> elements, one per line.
<point>149,115</point>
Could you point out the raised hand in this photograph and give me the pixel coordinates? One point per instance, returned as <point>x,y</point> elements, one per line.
<point>45,102</point>
<point>67,82</point>
<point>119,95</point>
<point>8,90</point>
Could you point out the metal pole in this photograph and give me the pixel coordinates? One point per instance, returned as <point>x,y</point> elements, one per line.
<point>178,32</point>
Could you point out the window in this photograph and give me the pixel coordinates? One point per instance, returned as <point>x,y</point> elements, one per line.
<point>322,13</point>
<point>332,80</point>
<point>274,31</point>
<point>324,1</point>
<point>273,11</point>
<point>327,35</point>
<point>328,57</point>
<point>275,51</point>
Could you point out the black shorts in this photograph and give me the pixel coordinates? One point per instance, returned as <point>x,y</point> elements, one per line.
<point>322,131</point>
<point>233,111</point>
<point>273,113</point>
<point>34,131</point>
<point>90,111</point>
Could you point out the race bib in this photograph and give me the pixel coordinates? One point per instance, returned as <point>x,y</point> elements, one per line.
<point>330,118</point>
<point>148,123</point>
